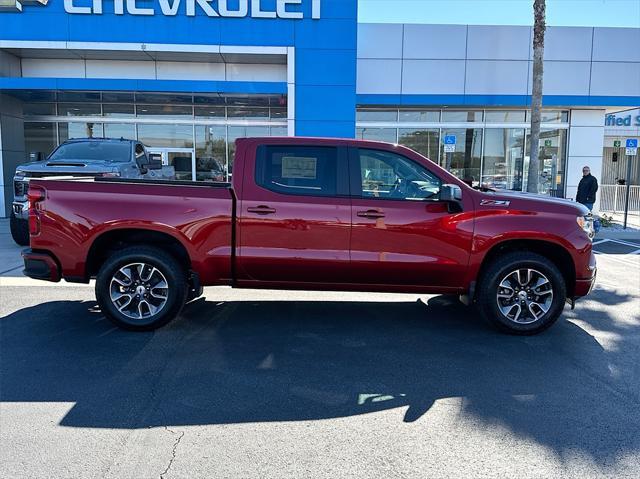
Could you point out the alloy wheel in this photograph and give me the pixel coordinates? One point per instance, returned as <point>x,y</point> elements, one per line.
<point>524,296</point>
<point>139,291</point>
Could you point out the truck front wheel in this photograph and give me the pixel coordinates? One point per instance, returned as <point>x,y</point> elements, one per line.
<point>141,288</point>
<point>521,293</point>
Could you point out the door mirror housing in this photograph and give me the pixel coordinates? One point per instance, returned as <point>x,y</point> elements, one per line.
<point>452,194</point>
<point>155,161</point>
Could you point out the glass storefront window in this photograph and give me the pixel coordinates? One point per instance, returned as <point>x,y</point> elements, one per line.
<point>67,131</point>
<point>465,161</point>
<point>552,156</point>
<point>166,136</point>
<point>243,113</point>
<point>120,130</point>
<point>419,116</point>
<point>211,153</point>
<point>507,116</point>
<point>79,109</point>
<point>117,97</point>
<point>119,110</point>
<point>210,112</point>
<point>552,116</point>
<point>278,113</point>
<point>279,131</point>
<point>423,141</point>
<point>163,98</point>
<point>378,134</point>
<point>39,138</point>
<point>502,165</point>
<point>164,111</point>
<point>235,132</point>
<point>45,109</point>
<point>377,115</point>
<point>78,96</point>
<point>453,116</point>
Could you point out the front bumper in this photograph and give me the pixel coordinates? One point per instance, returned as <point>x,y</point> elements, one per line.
<point>21,209</point>
<point>585,286</point>
<point>40,265</point>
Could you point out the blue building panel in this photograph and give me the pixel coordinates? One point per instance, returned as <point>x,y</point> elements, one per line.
<point>325,67</point>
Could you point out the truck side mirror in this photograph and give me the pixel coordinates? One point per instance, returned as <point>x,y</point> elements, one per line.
<point>452,194</point>
<point>155,161</point>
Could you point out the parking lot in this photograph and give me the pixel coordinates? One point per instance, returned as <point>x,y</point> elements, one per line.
<point>311,384</point>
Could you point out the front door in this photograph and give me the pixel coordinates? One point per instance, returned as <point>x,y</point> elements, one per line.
<point>402,234</point>
<point>181,159</point>
<point>295,215</point>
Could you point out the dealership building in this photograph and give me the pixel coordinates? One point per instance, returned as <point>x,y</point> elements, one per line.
<point>188,77</point>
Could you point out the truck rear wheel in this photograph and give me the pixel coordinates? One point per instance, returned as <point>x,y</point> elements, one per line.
<point>19,230</point>
<point>141,288</point>
<point>521,293</point>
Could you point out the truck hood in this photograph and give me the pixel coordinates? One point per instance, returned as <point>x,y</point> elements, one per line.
<point>533,202</point>
<point>66,167</point>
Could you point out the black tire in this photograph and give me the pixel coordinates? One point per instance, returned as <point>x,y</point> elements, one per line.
<point>488,288</point>
<point>19,230</point>
<point>170,270</point>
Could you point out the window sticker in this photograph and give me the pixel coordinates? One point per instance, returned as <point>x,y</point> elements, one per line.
<point>299,167</point>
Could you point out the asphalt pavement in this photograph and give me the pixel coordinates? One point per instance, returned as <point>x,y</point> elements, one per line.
<point>261,384</point>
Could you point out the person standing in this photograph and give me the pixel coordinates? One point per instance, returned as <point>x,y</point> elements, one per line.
<point>587,189</point>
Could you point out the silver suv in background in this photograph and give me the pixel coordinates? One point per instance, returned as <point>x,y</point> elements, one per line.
<point>90,157</point>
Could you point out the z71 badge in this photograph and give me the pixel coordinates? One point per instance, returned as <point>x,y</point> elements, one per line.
<point>495,203</point>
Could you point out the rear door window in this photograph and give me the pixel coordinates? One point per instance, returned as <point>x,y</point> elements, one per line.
<point>298,170</point>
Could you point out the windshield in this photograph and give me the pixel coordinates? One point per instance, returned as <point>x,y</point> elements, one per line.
<point>93,151</point>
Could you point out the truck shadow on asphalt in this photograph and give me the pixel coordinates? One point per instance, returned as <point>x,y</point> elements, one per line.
<point>242,362</point>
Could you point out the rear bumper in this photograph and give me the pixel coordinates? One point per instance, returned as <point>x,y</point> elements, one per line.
<point>40,265</point>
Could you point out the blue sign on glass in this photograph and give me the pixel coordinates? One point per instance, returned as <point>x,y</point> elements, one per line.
<point>450,140</point>
<point>632,143</point>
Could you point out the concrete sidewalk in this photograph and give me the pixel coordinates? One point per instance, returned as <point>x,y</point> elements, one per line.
<point>10,259</point>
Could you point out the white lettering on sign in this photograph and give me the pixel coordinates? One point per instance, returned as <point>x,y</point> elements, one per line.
<point>289,9</point>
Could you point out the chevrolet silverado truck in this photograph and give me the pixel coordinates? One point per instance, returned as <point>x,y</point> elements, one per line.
<point>313,214</point>
<point>83,157</point>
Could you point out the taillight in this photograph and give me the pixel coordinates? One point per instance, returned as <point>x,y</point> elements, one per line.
<point>36,195</point>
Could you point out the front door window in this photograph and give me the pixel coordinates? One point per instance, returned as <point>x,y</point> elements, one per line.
<point>389,176</point>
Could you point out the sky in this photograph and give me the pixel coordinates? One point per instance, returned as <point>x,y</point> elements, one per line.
<point>592,13</point>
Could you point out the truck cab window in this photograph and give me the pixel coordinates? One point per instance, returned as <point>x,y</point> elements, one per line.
<point>297,170</point>
<point>386,175</point>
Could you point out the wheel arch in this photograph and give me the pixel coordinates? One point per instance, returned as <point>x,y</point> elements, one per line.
<point>108,242</point>
<point>554,252</point>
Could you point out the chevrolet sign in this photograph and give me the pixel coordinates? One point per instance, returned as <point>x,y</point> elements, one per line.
<point>211,8</point>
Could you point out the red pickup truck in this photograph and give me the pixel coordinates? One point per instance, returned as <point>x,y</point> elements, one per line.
<point>309,213</point>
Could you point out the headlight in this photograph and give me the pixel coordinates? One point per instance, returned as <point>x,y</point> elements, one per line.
<point>586,223</point>
<point>19,175</point>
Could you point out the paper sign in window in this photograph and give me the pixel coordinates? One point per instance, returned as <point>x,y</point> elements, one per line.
<point>299,167</point>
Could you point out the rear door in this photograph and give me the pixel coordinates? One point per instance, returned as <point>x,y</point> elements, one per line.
<point>294,216</point>
<point>402,234</point>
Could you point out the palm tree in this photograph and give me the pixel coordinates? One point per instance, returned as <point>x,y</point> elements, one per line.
<point>539,27</point>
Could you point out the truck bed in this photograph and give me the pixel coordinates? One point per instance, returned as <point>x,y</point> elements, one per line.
<point>75,215</point>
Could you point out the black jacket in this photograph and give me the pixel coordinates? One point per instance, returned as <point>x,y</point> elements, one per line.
<point>587,189</point>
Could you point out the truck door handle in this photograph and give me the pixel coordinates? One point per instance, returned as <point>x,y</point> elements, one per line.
<point>261,210</point>
<point>371,214</point>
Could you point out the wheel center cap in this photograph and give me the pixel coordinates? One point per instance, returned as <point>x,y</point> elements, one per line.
<point>140,290</point>
<point>522,295</point>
